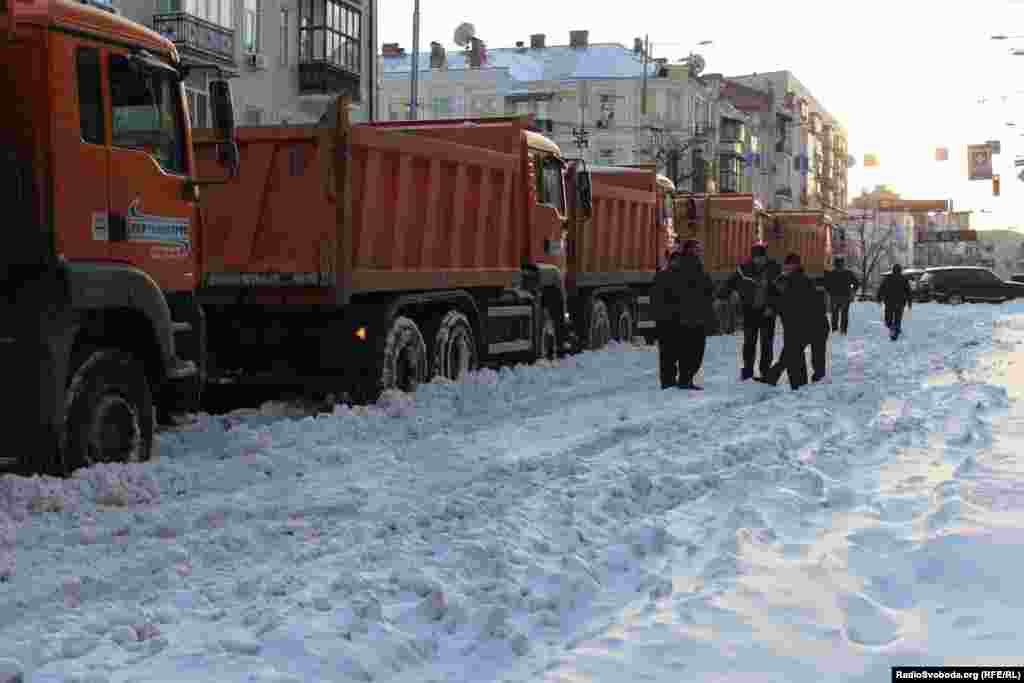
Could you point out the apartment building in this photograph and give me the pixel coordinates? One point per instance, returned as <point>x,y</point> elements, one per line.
<point>592,99</point>
<point>287,58</point>
<point>807,157</point>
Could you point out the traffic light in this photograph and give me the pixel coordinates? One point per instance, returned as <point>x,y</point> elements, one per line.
<point>995,185</point>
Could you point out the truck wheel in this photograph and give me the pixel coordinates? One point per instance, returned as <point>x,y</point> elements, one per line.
<point>405,356</point>
<point>623,321</point>
<point>548,349</point>
<point>955,299</point>
<point>454,346</point>
<point>600,325</point>
<point>109,411</point>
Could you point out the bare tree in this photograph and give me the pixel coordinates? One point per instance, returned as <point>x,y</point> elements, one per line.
<point>877,241</point>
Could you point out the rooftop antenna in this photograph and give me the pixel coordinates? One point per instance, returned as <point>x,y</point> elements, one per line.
<point>464,33</point>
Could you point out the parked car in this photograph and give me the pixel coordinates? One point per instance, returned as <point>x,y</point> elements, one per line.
<point>957,284</point>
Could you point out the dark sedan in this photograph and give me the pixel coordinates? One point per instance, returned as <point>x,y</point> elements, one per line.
<point>957,284</point>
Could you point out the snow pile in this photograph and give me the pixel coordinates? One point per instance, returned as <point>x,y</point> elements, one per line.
<point>536,522</point>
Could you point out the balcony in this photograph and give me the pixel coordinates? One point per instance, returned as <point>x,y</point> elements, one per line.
<point>326,78</point>
<point>197,37</point>
<point>784,146</point>
<point>786,192</point>
<point>731,147</point>
<point>703,129</point>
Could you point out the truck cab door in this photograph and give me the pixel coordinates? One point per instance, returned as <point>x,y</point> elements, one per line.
<point>152,221</point>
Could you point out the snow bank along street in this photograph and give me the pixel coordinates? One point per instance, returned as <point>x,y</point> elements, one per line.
<point>567,521</point>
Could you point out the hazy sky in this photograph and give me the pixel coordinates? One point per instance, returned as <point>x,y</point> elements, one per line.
<point>904,76</point>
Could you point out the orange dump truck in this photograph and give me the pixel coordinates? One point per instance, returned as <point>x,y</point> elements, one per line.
<point>613,256</point>
<point>100,333</point>
<point>354,259</point>
<point>807,232</point>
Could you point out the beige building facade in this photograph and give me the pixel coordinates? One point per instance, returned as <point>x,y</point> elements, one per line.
<point>287,58</point>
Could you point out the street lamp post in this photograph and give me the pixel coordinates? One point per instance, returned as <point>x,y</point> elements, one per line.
<point>414,84</point>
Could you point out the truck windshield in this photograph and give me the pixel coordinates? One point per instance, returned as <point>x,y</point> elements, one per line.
<point>146,112</point>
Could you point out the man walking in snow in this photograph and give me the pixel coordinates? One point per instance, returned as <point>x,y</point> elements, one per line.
<point>840,284</point>
<point>754,284</point>
<point>681,299</point>
<point>804,323</point>
<point>894,294</point>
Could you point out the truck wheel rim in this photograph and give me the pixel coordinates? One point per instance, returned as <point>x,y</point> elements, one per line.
<point>600,329</point>
<point>460,356</point>
<point>114,433</point>
<point>548,340</point>
<point>405,371</point>
<point>625,330</point>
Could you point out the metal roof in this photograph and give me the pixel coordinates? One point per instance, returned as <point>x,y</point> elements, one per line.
<point>555,63</point>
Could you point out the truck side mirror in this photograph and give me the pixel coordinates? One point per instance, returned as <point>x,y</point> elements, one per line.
<point>224,124</point>
<point>584,195</point>
<point>223,109</point>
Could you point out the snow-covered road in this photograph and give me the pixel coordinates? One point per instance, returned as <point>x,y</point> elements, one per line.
<point>558,522</point>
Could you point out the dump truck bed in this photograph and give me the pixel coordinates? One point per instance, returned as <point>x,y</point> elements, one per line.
<point>425,213</point>
<point>727,233</point>
<point>621,241</point>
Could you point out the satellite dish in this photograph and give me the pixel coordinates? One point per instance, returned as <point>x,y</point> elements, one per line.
<point>464,33</point>
<point>851,161</point>
<point>697,65</point>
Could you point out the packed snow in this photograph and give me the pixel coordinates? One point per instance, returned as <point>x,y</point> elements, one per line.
<point>567,521</point>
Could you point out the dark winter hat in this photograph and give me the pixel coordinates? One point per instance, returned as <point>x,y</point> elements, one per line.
<point>689,246</point>
<point>793,260</point>
<point>758,250</point>
<point>839,260</point>
<point>897,268</point>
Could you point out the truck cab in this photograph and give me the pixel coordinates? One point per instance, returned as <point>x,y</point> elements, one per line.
<point>98,323</point>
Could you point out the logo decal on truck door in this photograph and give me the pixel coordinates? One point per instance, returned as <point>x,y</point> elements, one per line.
<point>144,227</point>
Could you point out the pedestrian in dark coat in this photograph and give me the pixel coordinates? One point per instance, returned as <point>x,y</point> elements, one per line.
<point>754,283</point>
<point>841,283</point>
<point>682,299</point>
<point>805,323</point>
<point>895,294</point>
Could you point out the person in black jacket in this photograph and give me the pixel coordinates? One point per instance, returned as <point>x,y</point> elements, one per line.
<point>895,293</point>
<point>682,300</point>
<point>805,323</point>
<point>841,283</point>
<point>754,283</point>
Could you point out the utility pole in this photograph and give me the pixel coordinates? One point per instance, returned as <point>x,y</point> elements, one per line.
<point>414,86</point>
<point>643,90</point>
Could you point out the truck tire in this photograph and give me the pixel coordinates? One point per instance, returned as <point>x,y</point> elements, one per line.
<point>548,349</point>
<point>109,415</point>
<point>624,327</point>
<point>454,350</point>
<point>600,325</point>
<point>404,365</point>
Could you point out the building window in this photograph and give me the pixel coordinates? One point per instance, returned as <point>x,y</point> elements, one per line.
<point>253,116</point>
<point>90,95</point>
<point>442,106</point>
<point>215,11</point>
<point>251,25</point>
<point>730,172</point>
<point>198,107</point>
<point>146,112</point>
<point>330,31</point>
<point>285,31</point>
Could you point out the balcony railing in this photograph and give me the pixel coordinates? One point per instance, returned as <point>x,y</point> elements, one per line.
<point>327,78</point>
<point>703,129</point>
<point>190,34</point>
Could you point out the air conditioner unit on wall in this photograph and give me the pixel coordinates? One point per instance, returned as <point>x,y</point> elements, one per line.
<point>257,61</point>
